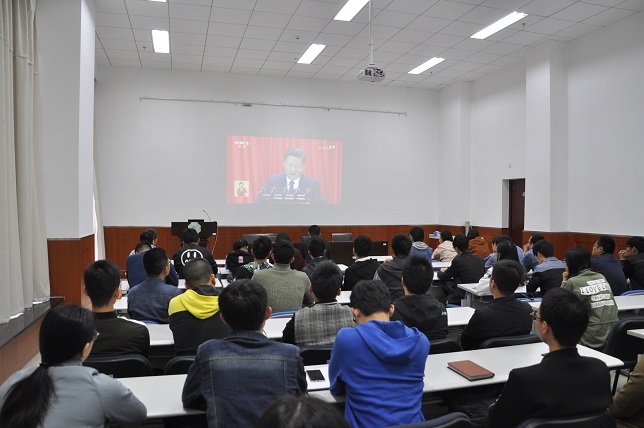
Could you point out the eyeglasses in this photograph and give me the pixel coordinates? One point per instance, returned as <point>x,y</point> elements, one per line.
<point>534,316</point>
<point>95,336</point>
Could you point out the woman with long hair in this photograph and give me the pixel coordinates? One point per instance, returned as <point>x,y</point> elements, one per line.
<point>505,250</point>
<point>60,391</point>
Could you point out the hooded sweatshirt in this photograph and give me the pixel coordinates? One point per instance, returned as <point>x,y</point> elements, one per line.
<point>194,319</point>
<point>380,367</point>
<point>419,248</point>
<point>391,273</point>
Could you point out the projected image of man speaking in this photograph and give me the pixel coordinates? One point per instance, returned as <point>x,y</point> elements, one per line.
<point>292,181</point>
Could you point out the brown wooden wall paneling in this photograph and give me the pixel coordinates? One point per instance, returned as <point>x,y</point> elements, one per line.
<point>68,258</point>
<point>19,351</point>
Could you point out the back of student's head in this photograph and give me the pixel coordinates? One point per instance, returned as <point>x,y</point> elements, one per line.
<point>262,247</point>
<point>189,236</point>
<point>418,274</point>
<point>239,244</point>
<point>636,242</point>
<point>197,272</point>
<point>301,411</point>
<point>148,235</point>
<point>314,230</point>
<point>461,242</point>
<point>577,259</point>
<point>417,233</point>
<point>401,244</point>
<point>507,251</point>
<point>370,297</point>
<point>283,252</point>
<point>101,278</point>
<point>536,237</point>
<point>326,280</point>
<point>316,246</point>
<point>64,332</point>
<point>446,235</point>
<point>154,261</point>
<point>243,305</point>
<point>566,313</point>
<point>545,248</point>
<point>473,233</point>
<point>362,245</point>
<point>142,246</point>
<point>500,238</point>
<point>606,243</point>
<point>507,275</point>
<point>282,236</point>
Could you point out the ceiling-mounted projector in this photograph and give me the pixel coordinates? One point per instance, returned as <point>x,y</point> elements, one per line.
<point>371,74</point>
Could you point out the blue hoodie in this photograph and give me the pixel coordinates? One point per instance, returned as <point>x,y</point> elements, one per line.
<point>380,367</point>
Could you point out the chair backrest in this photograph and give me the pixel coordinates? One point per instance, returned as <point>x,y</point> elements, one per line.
<point>284,314</point>
<point>179,365</point>
<point>623,346</point>
<point>316,354</point>
<point>497,342</point>
<point>442,346</point>
<point>341,237</point>
<point>120,366</point>
<point>602,420</point>
<point>630,292</point>
<point>450,420</point>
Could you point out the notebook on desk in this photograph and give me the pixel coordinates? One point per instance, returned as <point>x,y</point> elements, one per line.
<point>470,370</point>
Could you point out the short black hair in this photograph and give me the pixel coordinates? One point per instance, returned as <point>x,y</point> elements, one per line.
<point>283,252</point>
<point>501,238</point>
<point>507,275</point>
<point>606,243</point>
<point>362,245</point>
<point>301,411</point>
<point>189,236</point>
<point>401,244</point>
<point>461,242</point>
<point>142,246</point>
<point>314,230</point>
<point>239,244</point>
<point>243,304</point>
<point>577,259</point>
<point>545,248</point>
<point>295,152</point>
<point>282,236</point>
<point>446,235</point>
<point>148,235</point>
<point>636,242</point>
<point>566,313</point>
<point>316,246</point>
<point>370,297</point>
<point>536,237</point>
<point>326,280</point>
<point>197,272</point>
<point>418,274</point>
<point>473,233</point>
<point>262,247</point>
<point>507,251</point>
<point>102,278</point>
<point>154,261</point>
<point>417,233</point>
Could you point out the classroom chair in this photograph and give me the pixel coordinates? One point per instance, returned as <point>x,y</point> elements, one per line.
<point>443,346</point>
<point>623,346</point>
<point>315,354</point>
<point>602,420</point>
<point>120,366</point>
<point>179,365</point>
<point>450,420</point>
<point>497,342</point>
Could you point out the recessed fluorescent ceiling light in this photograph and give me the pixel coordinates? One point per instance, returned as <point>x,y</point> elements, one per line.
<point>162,1</point>
<point>499,25</point>
<point>311,53</point>
<point>350,9</point>
<point>426,65</point>
<point>161,41</point>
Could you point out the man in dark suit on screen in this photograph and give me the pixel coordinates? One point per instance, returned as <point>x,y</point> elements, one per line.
<point>292,182</point>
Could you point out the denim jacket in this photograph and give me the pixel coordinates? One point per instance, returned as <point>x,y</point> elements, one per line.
<point>149,300</point>
<point>235,379</point>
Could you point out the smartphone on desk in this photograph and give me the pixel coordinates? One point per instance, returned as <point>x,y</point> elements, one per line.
<point>315,375</point>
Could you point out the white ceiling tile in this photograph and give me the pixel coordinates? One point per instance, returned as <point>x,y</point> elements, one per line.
<point>449,9</point>
<point>186,59</point>
<point>257,44</point>
<point>579,12</point>
<point>282,56</point>
<point>474,44</point>
<point>223,41</point>
<point>147,8</point>
<point>250,63</point>
<point>443,40</point>
<point>393,19</point>
<point>507,60</point>
<point>352,52</point>
<point>218,61</point>
<point>266,33</point>
<point>244,70</point>
<point>188,26</point>
<point>632,5</point>
<point>489,68</point>
<point>472,76</point>
<point>609,3</point>
<point>329,77</point>
<point>401,68</point>
<point>187,49</point>
<point>277,65</point>
<point>149,23</point>
<point>272,72</point>
<point>153,56</point>
<point>343,62</point>
<point>126,63</point>
<point>302,36</point>
<point>549,26</point>
<point>426,51</point>
<point>429,24</point>
<point>156,64</point>
<point>609,16</point>
<point>379,32</point>
<point>112,20</point>
<point>546,7</point>
<point>187,39</point>
<point>277,6</point>
<point>116,54</point>
<point>238,4</point>
<point>145,46</point>
<point>456,54</point>
<point>307,23</point>
<point>219,51</point>
<point>410,6</point>
<point>330,69</point>
<point>298,48</point>
<point>341,27</point>
<point>411,36</point>
<point>192,12</point>
<point>466,66</point>
<point>197,2</point>
<point>266,19</point>
<point>230,16</point>
<point>460,28</point>
<point>122,45</point>
<point>524,38</point>
<point>381,56</point>
<point>306,68</point>
<point>411,60</point>
<point>223,29</point>
<point>215,68</point>
<point>111,6</point>
<point>186,66</point>
<point>252,54</point>
<point>483,16</point>
<point>103,61</point>
<point>100,52</point>
<point>502,48</point>
<point>483,58</point>
<point>397,47</point>
<point>578,30</point>
<point>142,35</point>
<point>118,33</point>
<point>318,9</point>
<point>507,5</point>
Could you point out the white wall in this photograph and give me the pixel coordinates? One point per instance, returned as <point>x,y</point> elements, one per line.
<point>162,161</point>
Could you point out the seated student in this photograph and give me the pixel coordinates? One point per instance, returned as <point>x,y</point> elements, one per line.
<point>563,383</point>
<point>313,230</point>
<point>529,260</point>
<point>239,257</point>
<point>628,403</point>
<point>591,286</point>
<point>237,378</point>
<point>505,250</point>
<point>60,392</point>
<point>288,290</point>
<point>445,251</point>
<point>491,259</point>
<point>391,272</point>
<point>417,308</point>
<point>261,250</point>
<point>149,300</point>
<point>364,267</point>
<point>194,315</point>
<point>633,262</point>
<point>547,275</point>
<point>118,335</point>
<point>298,262</point>
<point>604,262</point>
<point>478,246</point>
<point>135,271</point>
<point>317,254</point>
<point>191,250</point>
<point>466,268</point>
<point>301,412</point>
<point>505,315</point>
<point>418,247</point>
<point>149,237</point>
<point>380,364</point>
<point>320,323</point>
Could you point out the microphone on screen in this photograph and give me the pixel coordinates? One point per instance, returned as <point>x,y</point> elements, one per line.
<point>262,190</point>
<point>273,190</point>
<point>307,193</point>
<point>284,192</point>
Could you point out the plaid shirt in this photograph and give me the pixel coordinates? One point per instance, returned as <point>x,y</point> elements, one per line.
<point>319,324</point>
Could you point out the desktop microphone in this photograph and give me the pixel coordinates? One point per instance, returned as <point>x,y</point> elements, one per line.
<point>207,215</point>
<point>262,190</point>
<point>284,193</point>
<point>273,190</point>
<point>307,194</point>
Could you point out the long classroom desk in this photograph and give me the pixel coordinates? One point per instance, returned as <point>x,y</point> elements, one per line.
<point>162,394</point>
<point>624,303</point>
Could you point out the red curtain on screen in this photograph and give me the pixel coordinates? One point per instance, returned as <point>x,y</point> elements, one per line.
<point>251,160</point>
